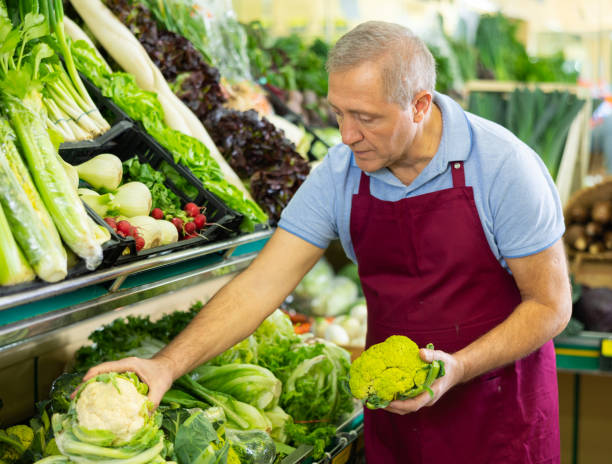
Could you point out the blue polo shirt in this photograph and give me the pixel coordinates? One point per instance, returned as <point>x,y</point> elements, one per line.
<point>516,198</point>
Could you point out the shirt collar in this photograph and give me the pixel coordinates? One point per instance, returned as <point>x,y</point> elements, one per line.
<point>455,145</point>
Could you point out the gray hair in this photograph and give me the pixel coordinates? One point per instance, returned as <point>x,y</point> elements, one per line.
<point>408,67</point>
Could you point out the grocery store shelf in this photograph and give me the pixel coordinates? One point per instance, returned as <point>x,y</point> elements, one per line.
<point>581,353</point>
<point>31,314</point>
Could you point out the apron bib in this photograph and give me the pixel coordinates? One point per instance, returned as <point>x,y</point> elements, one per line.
<point>428,273</point>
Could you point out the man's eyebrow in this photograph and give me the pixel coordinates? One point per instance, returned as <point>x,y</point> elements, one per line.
<point>364,113</point>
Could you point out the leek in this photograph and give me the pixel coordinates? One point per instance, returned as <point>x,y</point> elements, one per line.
<point>14,269</point>
<point>29,220</point>
<point>70,109</point>
<point>51,179</point>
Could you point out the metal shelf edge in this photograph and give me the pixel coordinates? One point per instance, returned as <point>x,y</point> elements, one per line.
<point>18,333</point>
<point>122,271</point>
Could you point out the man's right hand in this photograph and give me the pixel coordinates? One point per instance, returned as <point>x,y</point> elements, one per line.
<point>155,372</point>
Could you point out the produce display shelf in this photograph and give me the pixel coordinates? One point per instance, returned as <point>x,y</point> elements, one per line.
<point>581,353</point>
<point>28,314</point>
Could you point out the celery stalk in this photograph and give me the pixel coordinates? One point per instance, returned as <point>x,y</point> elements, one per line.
<point>14,268</point>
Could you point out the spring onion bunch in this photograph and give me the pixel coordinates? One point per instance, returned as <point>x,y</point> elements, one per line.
<point>69,107</point>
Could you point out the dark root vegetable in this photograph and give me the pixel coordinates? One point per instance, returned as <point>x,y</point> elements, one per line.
<point>199,221</point>
<point>140,242</point>
<point>111,222</point>
<point>178,223</point>
<point>190,227</point>
<point>157,213</point>
<point>124,227</point>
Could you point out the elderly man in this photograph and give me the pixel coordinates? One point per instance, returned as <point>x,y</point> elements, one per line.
<point>455,225</point>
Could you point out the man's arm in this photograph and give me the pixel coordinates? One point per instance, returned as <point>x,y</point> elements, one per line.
<point>545,309</point>
<point>230,316</point>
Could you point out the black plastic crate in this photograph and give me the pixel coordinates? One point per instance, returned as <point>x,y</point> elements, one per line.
<point>109,110</point>
<point>130,141</point>
<point>112,250</point>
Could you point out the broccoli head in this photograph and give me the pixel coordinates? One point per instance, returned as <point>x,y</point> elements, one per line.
<point>392,370</point>
<point>14,441</point>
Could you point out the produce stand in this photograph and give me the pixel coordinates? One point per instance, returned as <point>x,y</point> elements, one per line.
<point>28,320</point>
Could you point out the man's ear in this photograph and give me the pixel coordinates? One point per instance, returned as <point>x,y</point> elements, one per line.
<point>422,103</point>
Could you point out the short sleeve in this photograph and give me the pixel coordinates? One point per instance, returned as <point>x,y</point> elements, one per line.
<point>310,214</point>
<point>527,213</point>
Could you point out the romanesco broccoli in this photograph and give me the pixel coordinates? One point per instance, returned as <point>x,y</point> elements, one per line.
<point>392,370</point>
<point>14,441</point>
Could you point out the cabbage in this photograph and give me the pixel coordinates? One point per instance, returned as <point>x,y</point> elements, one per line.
<point>316,281</point>
<point>336,299</point>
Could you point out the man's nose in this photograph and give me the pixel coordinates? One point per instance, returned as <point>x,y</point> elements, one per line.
<point>350,132</point>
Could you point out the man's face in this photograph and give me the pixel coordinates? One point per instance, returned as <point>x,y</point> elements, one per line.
<point>379,132</point>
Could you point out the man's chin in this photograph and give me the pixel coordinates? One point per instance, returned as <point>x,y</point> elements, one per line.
<point>368,165</point>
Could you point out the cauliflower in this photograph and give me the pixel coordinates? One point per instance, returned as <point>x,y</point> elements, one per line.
<point>113,406</point>
<point>392,370</point>
<point>110,420</point>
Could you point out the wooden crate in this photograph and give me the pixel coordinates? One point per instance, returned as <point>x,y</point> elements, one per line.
<point>593,270</point>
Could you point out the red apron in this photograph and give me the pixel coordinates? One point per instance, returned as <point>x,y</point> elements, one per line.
<point>428,272</point>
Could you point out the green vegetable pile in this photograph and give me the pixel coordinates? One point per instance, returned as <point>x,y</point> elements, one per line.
<point>144,107</point>
<point>392,370</point>
<point>293,388</point>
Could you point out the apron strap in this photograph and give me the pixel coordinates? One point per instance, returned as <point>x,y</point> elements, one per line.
<point>364,184</point>
<point>458,173</point>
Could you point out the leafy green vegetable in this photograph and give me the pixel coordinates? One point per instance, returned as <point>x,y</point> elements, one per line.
<point>501,54</point>
<point>194,438</point>
<point>287,62</point>
<point>163,197</point>
<point>61,389</point>
<point>252,446</point>
<point>144,107</point>
<point>249,383</point>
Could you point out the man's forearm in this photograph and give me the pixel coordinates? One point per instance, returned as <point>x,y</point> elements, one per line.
<point>528,327</point>
<point>239,307</point>
<point>230,316</point>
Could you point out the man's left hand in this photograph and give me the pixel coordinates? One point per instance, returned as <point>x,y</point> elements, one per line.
<point>452,376</point>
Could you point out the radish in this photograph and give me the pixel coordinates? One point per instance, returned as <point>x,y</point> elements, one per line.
<point>124,227</point>
<point>200,221</point>
<point>157,213</point>
<point>178,223</point>
<point>187,237</point>
<point>140,242</point>
<point>111,222</point>
<point>190,228</point>
<point>191,209</point>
